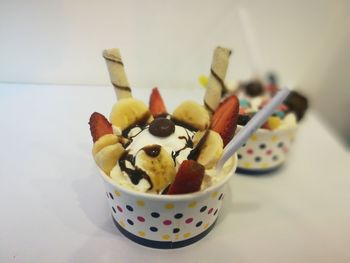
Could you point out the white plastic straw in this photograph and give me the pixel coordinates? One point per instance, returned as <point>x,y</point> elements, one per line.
<point>254,124</point>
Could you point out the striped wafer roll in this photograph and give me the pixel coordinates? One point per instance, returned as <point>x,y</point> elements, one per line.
<point>216,86</point>
<point>117,73</point>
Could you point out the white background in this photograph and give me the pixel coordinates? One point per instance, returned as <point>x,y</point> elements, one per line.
<point>170,43</point>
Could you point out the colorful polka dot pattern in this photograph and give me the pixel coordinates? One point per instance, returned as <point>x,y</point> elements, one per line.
<point>265,150</point>
<point>168,221</point>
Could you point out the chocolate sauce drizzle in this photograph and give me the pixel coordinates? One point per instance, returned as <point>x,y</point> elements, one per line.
<point>126,88</point>
<point>206,105</point>
<point>189,144</point>
<point>141,123</point>
<point>113,59</point>
<point>152,150</point>
<point>194,153</point>
<point>222,84</point>
<point>183,124</point>
<point>134,175</point>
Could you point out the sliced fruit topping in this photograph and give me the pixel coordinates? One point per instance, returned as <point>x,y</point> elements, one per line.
<point>272,123</point>
<point>158,164</point>
<point>99,126</point>
<point>129,112</point>
<point>210,149</point>
<point>104,141</point>
<point>108,157</point>
<point>224,120</point>
<point>188,179</point>
<point>192,114</point>
<point>156,104</point>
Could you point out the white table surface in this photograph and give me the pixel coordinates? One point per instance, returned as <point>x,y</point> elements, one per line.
<point>53,207</point>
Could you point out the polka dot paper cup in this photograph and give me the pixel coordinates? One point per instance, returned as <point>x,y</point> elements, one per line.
<point>166,221</point>
<point>265,151</point>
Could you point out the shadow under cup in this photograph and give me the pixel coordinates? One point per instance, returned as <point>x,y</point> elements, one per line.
<point>167,221</point>
<point>265,151</point>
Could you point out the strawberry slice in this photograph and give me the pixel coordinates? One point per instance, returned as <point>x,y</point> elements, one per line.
<point>188,179</point>
<point>99,126</point>
<point>224,120</point>
<point>156,103</point>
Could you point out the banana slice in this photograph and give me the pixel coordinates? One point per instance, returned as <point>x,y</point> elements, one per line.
<point>129,111</point>
<point>108,156</point>
<point>193,114</point>
<point>211,150</point>
<point>158,164</point>
<point>104,141</point>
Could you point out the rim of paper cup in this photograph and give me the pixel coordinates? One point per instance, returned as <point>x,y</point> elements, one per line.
<point>179,197</point>
<point>266,131</point>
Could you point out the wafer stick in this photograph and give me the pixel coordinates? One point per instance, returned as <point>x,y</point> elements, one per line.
<point>117,73</point>
<point>216,86</point>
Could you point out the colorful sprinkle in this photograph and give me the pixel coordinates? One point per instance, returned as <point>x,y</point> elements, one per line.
<point>186,235</point>
<point>166,237</point>
<point>280,145</point>
<point>214,194</point>
<point>280,114</point>
<point>257,159</point>
<point>210,211</point>
<point>169,206</point>
<point>192,204</point>
<point>178,215</point>
<point>216,211</point>
<point>262,146</point>
<point>176,237</point>
<point>203,209</point>
<point>111,196</point>
<point>167,222</point>
<point>239,156</point>
<point>140,203</point>
<point>206,226</point>
<point>221,196</point>
<point>268,152</point>
<point>119,209</point>
<point>141,233</point>
<point>114,209</point>
<point>117,193</point>
<point>176,230</point>
<point>130,222</point>
<point>189,220</point>
<point>141,219</point>
<point>155,214</point>
<point>244,103</point>
<point>275,157</point>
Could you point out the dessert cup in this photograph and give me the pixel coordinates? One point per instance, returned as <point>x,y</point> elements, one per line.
<point>167,221</point>
<point>265,151</point>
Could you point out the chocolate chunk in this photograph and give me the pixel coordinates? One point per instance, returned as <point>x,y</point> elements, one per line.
<point>243,119</point>
<point>297,103</point>
<point>162,127</point>
<point>152,150</point>
<point>254,88</point>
